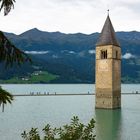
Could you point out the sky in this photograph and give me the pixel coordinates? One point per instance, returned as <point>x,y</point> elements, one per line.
<point>71,16</point>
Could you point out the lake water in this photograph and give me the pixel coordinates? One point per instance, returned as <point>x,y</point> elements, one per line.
<point>62,88</point>
<point>27,112</point>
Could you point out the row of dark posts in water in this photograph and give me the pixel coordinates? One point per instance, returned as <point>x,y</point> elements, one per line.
<point>47,93</point>
<point>135,92</point>
<point>39,93</point>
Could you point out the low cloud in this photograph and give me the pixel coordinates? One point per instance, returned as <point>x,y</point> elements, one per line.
<point>91,51</point>
<point>72,52</point>
<point>55,56</point>
<point>81,54</point>
<point>128,56</point>
<point>67,51</point>
<point>36,52</point>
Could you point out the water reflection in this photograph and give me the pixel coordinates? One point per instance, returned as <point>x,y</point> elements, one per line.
<point>108,124</point>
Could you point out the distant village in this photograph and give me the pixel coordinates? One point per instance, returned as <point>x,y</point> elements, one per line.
<point>35,73</point>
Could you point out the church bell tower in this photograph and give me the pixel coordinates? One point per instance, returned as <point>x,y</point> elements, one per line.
<point>108,69</point>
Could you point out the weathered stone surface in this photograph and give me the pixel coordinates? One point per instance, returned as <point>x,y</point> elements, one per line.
<point>108,77</point>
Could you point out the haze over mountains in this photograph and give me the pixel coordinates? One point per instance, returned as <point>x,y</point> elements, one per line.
<point>71,56</point>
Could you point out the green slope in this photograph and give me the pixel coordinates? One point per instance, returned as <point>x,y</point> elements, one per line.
<point>36,77</point>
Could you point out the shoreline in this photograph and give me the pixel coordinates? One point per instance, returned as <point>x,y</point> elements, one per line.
<point>68,94</point>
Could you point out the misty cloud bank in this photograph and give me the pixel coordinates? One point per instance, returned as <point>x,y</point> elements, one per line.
<point>36,52</point>
<point>91,52</point>
<point>128,56</point>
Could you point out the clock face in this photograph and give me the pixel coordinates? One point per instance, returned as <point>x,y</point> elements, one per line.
<point>103,65</point>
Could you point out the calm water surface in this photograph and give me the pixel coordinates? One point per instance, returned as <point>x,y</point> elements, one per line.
<point>62,88</point>
<point>27,112</point>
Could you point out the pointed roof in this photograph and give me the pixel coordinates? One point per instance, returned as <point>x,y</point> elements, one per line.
<point>107,36</point>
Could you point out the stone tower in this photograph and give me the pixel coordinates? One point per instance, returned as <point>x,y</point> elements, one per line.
<point>108,69</point>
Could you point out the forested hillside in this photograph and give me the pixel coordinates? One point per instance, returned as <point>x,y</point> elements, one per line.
<point>68,58</point>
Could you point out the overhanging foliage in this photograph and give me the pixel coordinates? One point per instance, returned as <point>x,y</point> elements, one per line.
<point>9,53</point>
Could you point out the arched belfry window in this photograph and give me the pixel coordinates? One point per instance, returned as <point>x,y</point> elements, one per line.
<point>104,54</point>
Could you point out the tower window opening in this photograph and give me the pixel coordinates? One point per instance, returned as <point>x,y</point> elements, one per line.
<point>104,54</point>
<point>116,54</point>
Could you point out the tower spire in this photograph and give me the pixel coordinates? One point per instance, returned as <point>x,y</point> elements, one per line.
<point>108,12</point>
<point>107,36</point>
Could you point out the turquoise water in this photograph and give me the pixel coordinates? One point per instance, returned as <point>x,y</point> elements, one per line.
<point>62,88</point>
<point>51,88</point>
<point>27,112</point>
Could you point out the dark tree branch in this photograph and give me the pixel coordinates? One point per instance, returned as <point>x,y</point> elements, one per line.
<point>10,54</point>
<point>6,5</point>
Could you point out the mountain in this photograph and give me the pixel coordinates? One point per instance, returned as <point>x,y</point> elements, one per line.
<point>72,56</point>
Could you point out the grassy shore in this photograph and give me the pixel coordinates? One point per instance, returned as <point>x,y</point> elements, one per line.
<point>37,77</point>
